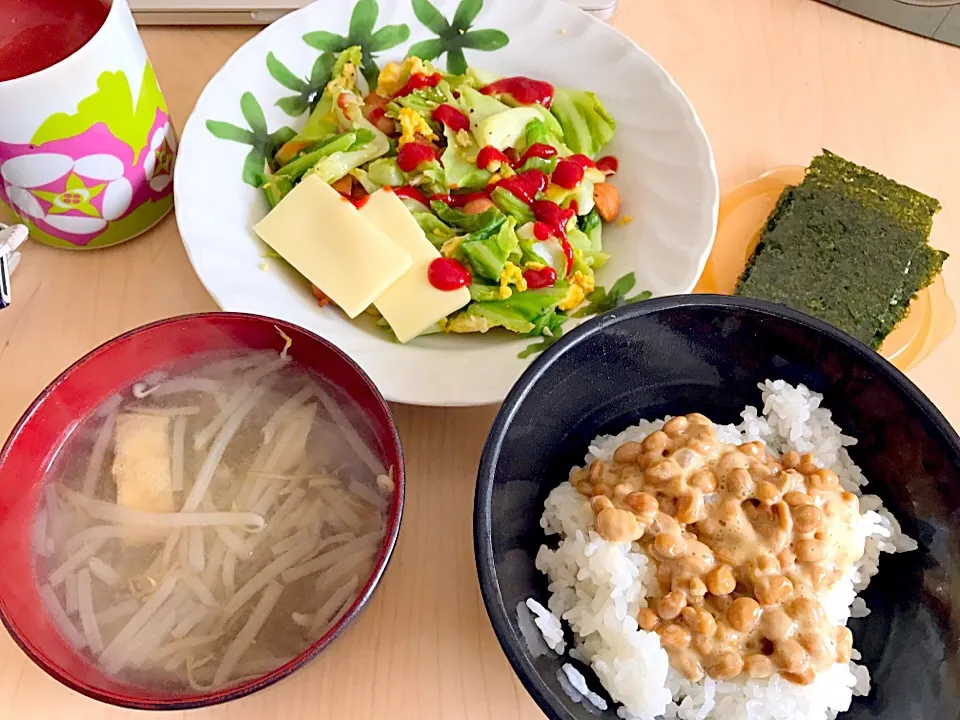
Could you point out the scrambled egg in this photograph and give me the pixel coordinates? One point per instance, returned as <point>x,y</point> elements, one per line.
<point>463,138</point>
<point>412,124</point>
<point>450,247</point>
<point>393,77</point>
<point>511,274</point>
<point>349,76</point>
<point>464,323</point>
<point>625,220</point>
<point>580,286</point>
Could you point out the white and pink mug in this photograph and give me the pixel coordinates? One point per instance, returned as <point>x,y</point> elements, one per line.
<point>86,144</point>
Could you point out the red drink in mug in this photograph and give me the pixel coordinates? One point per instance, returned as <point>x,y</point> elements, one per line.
<point>86,144</point>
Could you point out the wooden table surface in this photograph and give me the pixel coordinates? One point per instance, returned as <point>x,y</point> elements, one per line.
<point>774,81</point>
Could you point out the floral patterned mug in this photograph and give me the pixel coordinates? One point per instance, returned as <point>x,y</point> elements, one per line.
<point>86,146</point>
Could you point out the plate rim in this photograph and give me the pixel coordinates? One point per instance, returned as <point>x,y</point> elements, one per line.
<point>486,395</point>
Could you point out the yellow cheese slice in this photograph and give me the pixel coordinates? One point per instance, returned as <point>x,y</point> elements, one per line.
<point>322,235</point>
<point>142,462</point>
<point>411,305</point>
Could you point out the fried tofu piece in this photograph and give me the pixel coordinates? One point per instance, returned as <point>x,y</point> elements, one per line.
<point>142,462</point>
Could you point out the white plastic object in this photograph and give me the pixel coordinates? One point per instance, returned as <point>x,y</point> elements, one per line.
<point>11,238</point>
<point>264,12</point>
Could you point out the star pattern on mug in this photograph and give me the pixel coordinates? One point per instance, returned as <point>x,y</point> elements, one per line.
<point>76,196</point>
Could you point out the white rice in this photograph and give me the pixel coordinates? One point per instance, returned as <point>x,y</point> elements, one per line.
<point>597,587</point>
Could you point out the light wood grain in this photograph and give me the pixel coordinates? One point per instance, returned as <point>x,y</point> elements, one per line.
<point>773,80</point>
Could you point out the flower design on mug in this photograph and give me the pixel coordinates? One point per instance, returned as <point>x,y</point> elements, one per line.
<point>77,196</point>
<point>158,166</point>
<point>74,196</point>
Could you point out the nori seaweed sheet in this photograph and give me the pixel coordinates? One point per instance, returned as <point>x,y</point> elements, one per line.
<point>847,245</point>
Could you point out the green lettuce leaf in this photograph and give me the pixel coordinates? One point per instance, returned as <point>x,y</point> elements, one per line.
<point>484,293</point>
<point>601,300</point>
<point>349,112</point>
<point>488,256</point>
<point>485,224</point>
<point>437,231</point>
<point>430,178</point>
<point>506,129</point>
<point>323,121</point>
<point>511,205</point>
<point>546,131</point>
<point>385,172</point>
<point>521,312</point>
<point>460,172</point>
<point>478,107</point>
<point>587,126</point>
<point>423,101</point>
<point>591,225</point>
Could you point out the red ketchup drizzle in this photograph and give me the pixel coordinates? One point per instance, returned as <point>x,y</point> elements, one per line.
<point>608,165</point>
<point>542,278</point>
<point>458,201</point>
<point>451,117</point>
<point>523,90</point>
<point>582,160</point>
<point>525,185</point>
<point>413,155</point>
<point>542,231</point>
<point>570,171</point>
<point>411,192</point>
<point>490,155</point>
<point>447,274</point>
<point>568,174</point>
<point>538,150</point>
<point>419,81</point>
<point>553,219</point>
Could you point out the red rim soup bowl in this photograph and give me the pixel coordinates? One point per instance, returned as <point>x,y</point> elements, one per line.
<point>26,459</point>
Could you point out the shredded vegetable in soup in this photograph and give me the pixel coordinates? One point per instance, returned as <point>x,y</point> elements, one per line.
<point>211,523</point>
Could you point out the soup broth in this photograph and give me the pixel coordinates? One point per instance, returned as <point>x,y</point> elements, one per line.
<point>211,523</point>
<point>40,33</point>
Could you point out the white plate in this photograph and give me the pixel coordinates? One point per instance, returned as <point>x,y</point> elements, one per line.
<point>667,179</point>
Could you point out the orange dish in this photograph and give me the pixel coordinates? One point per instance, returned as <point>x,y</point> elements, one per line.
<point>743,212</point>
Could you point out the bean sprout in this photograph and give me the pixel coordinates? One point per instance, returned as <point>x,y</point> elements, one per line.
<point>117,612</point>
<point>215,455</point>
<point>73,562</point>
<point>88,618</point>
<point>111,512</point>
<point>352,436</point>
<point>332,608</point>
<point>179,440</point>
<point>151,636</point>
<point>118,652</point>
<point>260,580</point>
<point>97,455</point>
<point>286,408</point>
<point>59,616</point>
<point>103,572</point>
<point>236,401</point>
<point>182,385</point>
<point>196,549</point>
<point>365,543</point>
<point>70,588</point>
<point>249,631</point>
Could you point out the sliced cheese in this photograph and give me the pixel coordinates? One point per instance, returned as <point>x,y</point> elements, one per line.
<point>322,235</point>
<point>411,304</point>
<point>142,462</point>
